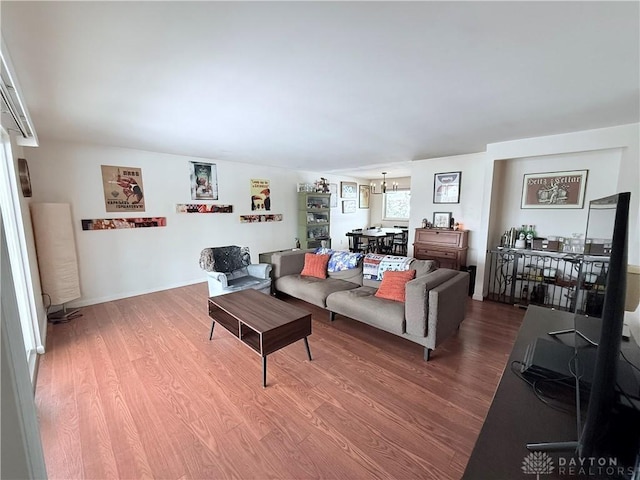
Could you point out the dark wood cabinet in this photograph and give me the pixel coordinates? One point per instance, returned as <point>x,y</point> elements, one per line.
<point>448,247</point>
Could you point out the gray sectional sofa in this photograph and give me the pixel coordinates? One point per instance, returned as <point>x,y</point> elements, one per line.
<point>433,310</point>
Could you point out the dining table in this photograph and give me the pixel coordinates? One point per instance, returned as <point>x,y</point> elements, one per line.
<point>376,237</point>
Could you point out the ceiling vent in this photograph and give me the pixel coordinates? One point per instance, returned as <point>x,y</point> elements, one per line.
<point>14,112</point>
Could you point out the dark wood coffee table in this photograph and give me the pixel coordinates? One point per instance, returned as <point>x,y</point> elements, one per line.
<point>260,321</point>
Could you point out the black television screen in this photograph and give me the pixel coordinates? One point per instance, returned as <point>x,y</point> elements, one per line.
<point>607,233</point>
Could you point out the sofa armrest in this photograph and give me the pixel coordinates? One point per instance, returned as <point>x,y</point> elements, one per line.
<point>259,270</point>
<point>217,281</point>
<point>447,308</point>
<point>288,263</point>
<point>417,302</point>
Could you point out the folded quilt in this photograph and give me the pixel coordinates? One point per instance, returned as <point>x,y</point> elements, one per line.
<point>374,265</point>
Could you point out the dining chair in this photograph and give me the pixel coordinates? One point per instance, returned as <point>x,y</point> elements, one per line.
<point>401,242</point>
<point>384,244</point>
<point>357,243</point>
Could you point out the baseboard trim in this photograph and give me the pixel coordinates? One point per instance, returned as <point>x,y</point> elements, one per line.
<point>85,302</point>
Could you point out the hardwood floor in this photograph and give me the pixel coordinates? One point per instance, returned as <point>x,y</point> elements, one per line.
<point>135,389</point>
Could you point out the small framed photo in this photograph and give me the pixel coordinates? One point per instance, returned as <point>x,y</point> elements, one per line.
<point>554,189</point>
<point>363,198</point>
<point>348,190</point>
<point>446,187</point>
<point>441,219</point>
<point>348,206</point>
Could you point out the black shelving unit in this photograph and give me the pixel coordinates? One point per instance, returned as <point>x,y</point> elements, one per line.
<point>565,281</point>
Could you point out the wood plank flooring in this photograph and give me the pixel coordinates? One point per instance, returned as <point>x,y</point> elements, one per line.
<point>135,389</point>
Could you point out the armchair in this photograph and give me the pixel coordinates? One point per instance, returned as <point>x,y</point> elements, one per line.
<point>229,269</point>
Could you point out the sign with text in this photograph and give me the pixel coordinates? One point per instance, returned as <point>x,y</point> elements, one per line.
<point>554,189</point>
<point>123,190</point>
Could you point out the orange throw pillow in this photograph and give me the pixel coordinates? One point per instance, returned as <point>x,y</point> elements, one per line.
<point>393,284</point>
<point>315,265</point>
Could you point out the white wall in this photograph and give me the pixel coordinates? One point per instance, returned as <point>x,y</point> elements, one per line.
<point>120,263</point>
<point>474,185</point>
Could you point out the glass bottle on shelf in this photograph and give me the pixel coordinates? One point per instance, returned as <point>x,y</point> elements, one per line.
<point>530,235</point>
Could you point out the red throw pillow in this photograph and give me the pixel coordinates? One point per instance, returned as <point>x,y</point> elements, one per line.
<point>393,284</point>
<point>315,265</point>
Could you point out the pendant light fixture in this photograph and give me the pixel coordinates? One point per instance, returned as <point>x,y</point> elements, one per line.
<point>383,185</point>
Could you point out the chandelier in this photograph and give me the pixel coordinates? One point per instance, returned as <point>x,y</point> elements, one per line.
<point>383,185</point>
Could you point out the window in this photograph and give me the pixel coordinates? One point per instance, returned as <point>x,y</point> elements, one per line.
<point>396,205</point>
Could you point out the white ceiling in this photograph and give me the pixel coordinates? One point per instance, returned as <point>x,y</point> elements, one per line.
<point>351,87</point>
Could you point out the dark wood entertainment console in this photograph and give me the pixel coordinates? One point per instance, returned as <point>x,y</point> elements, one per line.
<point>517,417</point>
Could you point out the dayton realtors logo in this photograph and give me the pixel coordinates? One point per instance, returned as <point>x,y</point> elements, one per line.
<point>537,463</point>
<point>540,463</point>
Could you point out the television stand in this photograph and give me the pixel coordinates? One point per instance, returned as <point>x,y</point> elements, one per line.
<point>517,420</point>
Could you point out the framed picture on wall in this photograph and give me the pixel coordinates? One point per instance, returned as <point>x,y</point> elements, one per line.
<point>554,189</point>
<point>446,187</point>
<point>348,206</point>
<point>203,178</point>
<point>333,190</point>
<point>348,190</point>
<point>363,197</point>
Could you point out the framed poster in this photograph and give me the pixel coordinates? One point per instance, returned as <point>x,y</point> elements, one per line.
<point>348,206</point>
<point>348,190</point>
<point>123,191</point>
<point>333,190</point>
<point>363,198</point>
<point>446,187</point>
<point>260,194</point>
<point>554,189</point>
<point>441,219</point>
<point>204,181</point>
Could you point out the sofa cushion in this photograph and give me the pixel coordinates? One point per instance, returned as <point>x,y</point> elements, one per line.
<point>243,283</point>
<point>393,285</point>
<point>311,289</point>
<point>315,265</point>
<point>362,304</point>
<point>422,267</point>
<point>353,275</point>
